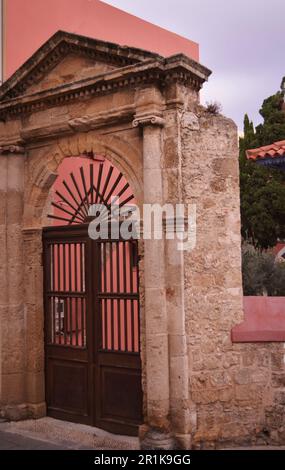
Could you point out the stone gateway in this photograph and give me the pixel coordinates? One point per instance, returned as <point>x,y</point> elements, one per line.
<point>140,112</point>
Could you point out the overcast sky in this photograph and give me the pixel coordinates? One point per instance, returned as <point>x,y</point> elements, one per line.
<point>241,41</point>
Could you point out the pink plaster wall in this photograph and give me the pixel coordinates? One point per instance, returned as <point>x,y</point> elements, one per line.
<point>29,23</point>
<point>264,320</point>
<point>280,246</point>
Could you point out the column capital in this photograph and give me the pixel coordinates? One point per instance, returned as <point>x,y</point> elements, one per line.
<point>148,120</point>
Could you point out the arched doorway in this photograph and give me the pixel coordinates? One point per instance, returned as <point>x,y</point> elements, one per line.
<point>91,292</point>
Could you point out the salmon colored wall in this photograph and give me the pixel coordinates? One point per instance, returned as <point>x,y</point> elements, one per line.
<point>278,248</point>
<point>29,23</point>
<point>264,320</point>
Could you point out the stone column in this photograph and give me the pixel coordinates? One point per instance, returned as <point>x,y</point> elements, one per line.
<point>34,307</point>
<point>156,328</point>
<point>13,316</point>
<point>182,414</point>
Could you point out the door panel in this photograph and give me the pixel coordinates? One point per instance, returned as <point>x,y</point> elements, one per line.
<point>69,385</point>
<point>66,303</point>
<point>93,367</point>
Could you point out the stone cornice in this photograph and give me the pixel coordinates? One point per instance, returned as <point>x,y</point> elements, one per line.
<point>160,71</point>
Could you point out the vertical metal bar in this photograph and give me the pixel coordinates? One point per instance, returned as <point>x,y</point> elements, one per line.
<point>124,267</point>
<point>132,326</point>
<point>65,321</point>
<point>70,319</point>
<point>125,302</point>
<point>91,168</point>
<point>84,322</point>
<point>102,313</point>
<point>126,324</point>
<point>53,322</point>
<point>75,267</point>
<point>54,270</point>
<point>132,319</point>
<point>104,266</point>
<point>106,322</point>
<point>101,286</point>
<point>138,296</point>
<point>81,289</point>
<point>112,324</point>
<point>59,319</point>
<point>111,267</point>
<point>75,299</point>
<point>58,267</point>
<point>131,248</point>
<point>81,322</point>
<point>81,266</point>
<point>69,268</point>
<point>64,267</point>
<point>119,325</point>
<point>76,320</point>
<point>117,245</point>
<point>51,268</point>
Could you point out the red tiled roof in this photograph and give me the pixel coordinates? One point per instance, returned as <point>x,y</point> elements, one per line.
<point>267,151</point>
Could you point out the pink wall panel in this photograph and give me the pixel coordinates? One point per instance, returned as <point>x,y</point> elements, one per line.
<point>29,23</point>
<point>264,320</point>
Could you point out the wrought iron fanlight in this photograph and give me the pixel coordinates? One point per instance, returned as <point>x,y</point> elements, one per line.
<point>81,194</point>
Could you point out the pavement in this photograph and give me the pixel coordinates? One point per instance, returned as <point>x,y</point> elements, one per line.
<point>51,434</point>
<point>11,441</point>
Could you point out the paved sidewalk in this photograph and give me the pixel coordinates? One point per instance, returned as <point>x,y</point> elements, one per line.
<point>11,441</point>
<point>51,434</point>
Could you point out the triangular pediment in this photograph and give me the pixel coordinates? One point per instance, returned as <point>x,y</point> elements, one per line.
<point>68,58</point>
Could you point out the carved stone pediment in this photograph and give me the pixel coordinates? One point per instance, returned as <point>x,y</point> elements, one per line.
<point>67,58</point>
<point>69,67</point>
<point>72,68</point>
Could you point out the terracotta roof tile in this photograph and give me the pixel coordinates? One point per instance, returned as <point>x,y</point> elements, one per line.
<point>267,151</point>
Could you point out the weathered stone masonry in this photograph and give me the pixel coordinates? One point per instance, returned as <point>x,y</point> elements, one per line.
<point>76,96</point>
<point>236,390</point>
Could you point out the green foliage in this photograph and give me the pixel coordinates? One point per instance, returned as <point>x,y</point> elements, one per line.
<point>273,128</point>
<point>263,189</point>
<point>261,274</point>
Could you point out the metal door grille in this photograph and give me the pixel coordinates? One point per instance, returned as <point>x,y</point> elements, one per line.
<point>119,296</point>
<point>66,294</point>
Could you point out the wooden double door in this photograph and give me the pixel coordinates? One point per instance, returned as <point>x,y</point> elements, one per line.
<point>92,340</point>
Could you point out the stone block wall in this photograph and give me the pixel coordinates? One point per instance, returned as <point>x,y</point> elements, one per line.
<point>236,390</point>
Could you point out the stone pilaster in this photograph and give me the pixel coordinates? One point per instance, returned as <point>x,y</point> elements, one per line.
<point>33,273</point>
<point>3,264</point>
<point>13,314</point>
<point>149,117</point>
<point>180,408</point>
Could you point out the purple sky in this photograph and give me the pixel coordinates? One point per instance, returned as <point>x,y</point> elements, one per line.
<point>241,41</point>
